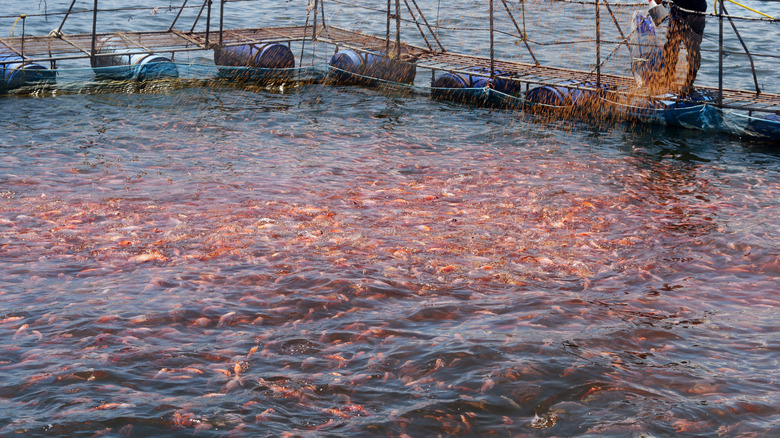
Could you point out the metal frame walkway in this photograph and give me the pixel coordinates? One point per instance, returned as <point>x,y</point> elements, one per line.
<point>55,47</point>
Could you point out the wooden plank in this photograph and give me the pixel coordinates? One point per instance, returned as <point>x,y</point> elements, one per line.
<point>64,38</point>
<point>125,38</point>
<point>8,45</point>
<point>188,38</point>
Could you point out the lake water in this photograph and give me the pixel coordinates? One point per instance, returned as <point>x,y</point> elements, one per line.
<point>341,261</point>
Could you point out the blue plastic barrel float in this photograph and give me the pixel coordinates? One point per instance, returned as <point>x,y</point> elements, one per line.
<point>693,110</point>
<point>767,127</point>
<point>15,73</point>
<point>271,61</point>
<point>117,61</point>
<point>564,94</point>
<point>465,87</point>
<point>351,67</point>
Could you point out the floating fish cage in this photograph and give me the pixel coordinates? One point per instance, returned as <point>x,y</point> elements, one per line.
<point>593,56</point>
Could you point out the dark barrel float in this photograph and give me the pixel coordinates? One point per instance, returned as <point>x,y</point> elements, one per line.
<point>351,67</point>
<point>694,109</point>
<point>269,62</point>
<point>565,94</point>
<point>468,86</point>
<point>15,73</point>
<point>766,127</point>
<point>118,62</point>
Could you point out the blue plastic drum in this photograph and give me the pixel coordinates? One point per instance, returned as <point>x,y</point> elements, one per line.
<point>270,61</point>
<point>123,65</point>
<point>563,94</point>
<point>768,126</point>
<point>353,67</point>
<point>255,55</point>
<point>16,73</point>
<point>446,83</point>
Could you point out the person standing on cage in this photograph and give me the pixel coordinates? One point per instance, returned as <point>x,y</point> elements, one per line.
<point>684,28</point>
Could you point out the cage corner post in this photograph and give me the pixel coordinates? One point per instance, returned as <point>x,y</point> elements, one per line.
<point>93,48</point>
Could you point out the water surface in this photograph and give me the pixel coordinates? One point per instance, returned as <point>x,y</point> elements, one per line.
<point>340,261</point>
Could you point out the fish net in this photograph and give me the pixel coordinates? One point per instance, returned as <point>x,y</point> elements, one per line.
<point>602,59</point>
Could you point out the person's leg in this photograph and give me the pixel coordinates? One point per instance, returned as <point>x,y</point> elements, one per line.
<point>692,45</point>
<point>692,42</point>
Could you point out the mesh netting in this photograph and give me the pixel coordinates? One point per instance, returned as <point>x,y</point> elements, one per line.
<point>567,56</point>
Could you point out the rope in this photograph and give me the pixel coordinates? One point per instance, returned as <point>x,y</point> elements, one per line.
<point>746,7</point>
<point>411,13</point>
<point>305,26</point>
<point>593,3</point>
<point>525,34</point>
<point>11,32</point>
<point>582,2</point>
<point>427,25</point>
<point>744,46</point>
<point>89,11</point>
<point>170,28</point>
<point>133,8</point>
<point>358,6</point>
<point>523,37</point>
<point>769,20</point>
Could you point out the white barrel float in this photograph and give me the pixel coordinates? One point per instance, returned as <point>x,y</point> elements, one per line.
<point>115,60</point>
<point>138,66</point>
<point>270,61</point>
<point>353,67</point>
<point>15,72</point>
<point>447,85</point>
